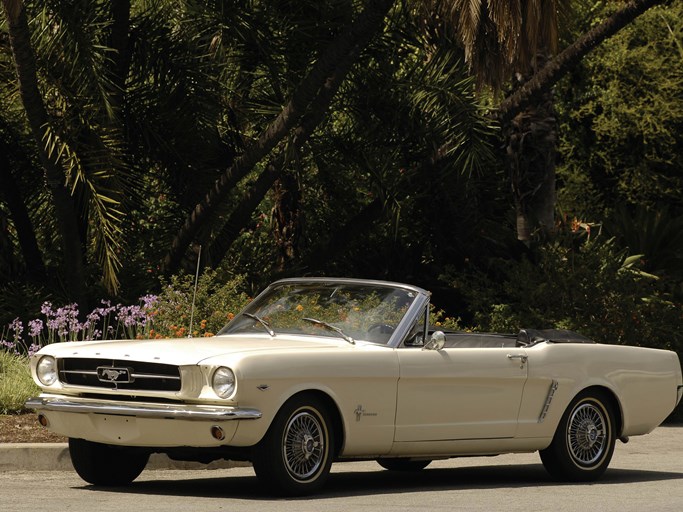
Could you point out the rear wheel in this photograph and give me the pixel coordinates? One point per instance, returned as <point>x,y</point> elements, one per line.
<point>101,464</point>
<point>295,456</point>
<point>400,464</point>
<point>584,441</point>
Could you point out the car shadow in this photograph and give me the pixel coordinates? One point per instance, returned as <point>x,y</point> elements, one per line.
<point>368,483</point>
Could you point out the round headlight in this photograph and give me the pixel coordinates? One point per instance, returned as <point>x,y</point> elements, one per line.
<point>46,370</point>
<point>223,382</point>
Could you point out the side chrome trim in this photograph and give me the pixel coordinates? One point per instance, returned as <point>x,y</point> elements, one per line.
<point>191,412</point>
<point>551,393</point>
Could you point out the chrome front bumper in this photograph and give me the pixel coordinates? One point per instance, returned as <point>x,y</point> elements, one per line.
<point>142,410</point>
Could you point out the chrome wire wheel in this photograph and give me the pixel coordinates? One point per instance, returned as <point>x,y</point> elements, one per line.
<point>295,455</point>
<point>587,435</point>
<point>303,448</point>
<point>583,443</point>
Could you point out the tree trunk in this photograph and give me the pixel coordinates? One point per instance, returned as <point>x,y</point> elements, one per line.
<point>531,148</point>
<point>255,194</point>
<point>287,218</point>
<point>118,41</point>
<point>529,124</point>
<point>35,269</point>
<point>349,42</point>
<point>62,202</point>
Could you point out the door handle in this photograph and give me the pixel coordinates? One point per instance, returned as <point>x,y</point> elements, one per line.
<point>522,358</point>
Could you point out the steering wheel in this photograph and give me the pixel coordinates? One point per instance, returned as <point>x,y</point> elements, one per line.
<point>380,328</point>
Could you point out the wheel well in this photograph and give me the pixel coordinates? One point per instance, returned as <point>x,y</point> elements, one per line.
<point>614,402</point>
<point>333,410</point>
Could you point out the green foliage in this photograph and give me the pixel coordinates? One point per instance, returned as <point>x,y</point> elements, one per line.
<point>19,299</point>
<point>143,126</point>
<point>16,384</point>
<point>439,320</point>
<point>588,286</point>
<point>622,128</point>
<point>655,235</point>
<point>218,299</point>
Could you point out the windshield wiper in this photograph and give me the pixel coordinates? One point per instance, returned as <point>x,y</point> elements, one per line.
<point>260,320</point>
<point>332,328</point>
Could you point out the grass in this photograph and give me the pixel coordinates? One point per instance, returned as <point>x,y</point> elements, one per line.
<point>16,384</point>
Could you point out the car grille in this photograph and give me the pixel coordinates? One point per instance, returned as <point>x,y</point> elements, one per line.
<point>111,374</point>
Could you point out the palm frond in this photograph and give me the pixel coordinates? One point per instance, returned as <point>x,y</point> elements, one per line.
<point>93,176</point>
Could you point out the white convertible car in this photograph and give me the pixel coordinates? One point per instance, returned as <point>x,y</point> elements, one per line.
<point>319,370</point>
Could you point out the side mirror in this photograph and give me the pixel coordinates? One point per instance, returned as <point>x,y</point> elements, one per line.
<point>436,342</point>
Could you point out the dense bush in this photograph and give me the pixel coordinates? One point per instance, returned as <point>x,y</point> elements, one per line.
<point>217,301</point>
<point>591,287</point>
<point>621,117</point>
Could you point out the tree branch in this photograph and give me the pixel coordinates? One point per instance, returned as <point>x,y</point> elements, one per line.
<point>558,67</point>
<point>349,42</point>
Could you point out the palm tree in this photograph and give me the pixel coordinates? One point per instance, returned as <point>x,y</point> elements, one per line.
<point>55,177</point>
<point>348,43</point>
<point>506,40</point>
<point>514,41</point>
<point>91,84</point>
<point>430,90</point>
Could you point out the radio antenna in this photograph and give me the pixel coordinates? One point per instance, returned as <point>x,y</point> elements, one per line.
<point>194,293</point>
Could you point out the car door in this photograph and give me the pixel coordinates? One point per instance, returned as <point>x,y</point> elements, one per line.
<point>459,393</point>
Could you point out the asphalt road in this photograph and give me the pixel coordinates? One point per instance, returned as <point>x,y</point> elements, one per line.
<point>645,475</point>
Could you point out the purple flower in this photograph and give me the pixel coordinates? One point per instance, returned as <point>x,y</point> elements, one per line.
<point>62,323</point>
<point>149,301</point>
<point>18,327</point>
<point>93,317</point>
<point>35,328</point>
<point>106,310</point>
<point>46,309</point>
<point>131,316</point>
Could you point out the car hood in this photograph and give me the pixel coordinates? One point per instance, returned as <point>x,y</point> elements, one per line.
<point>186,351</point>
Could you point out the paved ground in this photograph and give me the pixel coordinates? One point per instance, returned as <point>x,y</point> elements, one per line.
<point>646,474</point>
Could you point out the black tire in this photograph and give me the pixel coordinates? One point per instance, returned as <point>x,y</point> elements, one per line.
<point>583,444</point>
<point>101,464</point>
<point>295,455</point>
<point>400,464</point>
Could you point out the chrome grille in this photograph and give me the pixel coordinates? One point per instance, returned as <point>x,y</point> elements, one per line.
<point>115,374</point>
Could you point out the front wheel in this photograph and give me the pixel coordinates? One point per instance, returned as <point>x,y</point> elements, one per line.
<point>584,441</point>
<point>295,455</point>
<point>101,464</point>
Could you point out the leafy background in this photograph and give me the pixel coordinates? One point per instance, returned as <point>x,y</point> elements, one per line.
<point>401,174</point>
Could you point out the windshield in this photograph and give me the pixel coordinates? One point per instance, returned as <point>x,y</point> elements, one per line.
<point>352,311</point>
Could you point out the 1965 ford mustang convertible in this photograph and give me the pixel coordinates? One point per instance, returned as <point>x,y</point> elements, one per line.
<point>319,370</point>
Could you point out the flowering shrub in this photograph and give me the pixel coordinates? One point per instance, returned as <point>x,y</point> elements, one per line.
<point>155,316</point>
<point>63,324</point>
<point>217,301</point>
<point>439,320</point>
